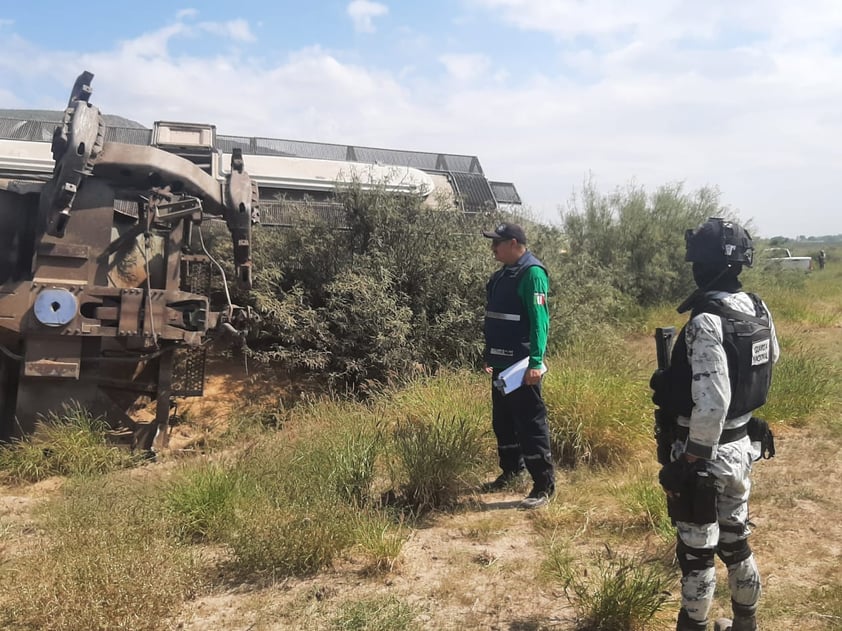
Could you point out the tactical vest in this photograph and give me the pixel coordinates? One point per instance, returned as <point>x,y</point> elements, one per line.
<point>748,347</point>
<point>506,321</point>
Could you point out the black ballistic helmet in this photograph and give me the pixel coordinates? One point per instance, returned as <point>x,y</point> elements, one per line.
<point>719,242</point>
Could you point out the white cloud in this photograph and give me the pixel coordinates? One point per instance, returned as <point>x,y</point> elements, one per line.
<point>467,66</point>
<point>186,13</point>
<point>363,12</point>
<point>233,29</point>
<point>756,117</point>
<point>670,19</point>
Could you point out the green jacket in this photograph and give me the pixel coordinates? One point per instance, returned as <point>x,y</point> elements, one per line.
<point>532,290</point>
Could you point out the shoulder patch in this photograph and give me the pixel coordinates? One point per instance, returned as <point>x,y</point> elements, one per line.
<point>540,299</point>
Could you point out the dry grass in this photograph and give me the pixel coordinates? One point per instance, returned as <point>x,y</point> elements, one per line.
<point>153,548</point>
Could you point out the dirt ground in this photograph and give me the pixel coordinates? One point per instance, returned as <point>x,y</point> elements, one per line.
<point>476,568</point>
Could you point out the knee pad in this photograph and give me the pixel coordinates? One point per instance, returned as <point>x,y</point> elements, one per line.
<point>692,559</point>
<point>733,552</point>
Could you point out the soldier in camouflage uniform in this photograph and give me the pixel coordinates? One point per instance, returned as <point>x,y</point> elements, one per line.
<point>720,372</point>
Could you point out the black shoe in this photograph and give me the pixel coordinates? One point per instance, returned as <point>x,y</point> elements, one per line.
<point>503,481</point>
<point>537,498</point>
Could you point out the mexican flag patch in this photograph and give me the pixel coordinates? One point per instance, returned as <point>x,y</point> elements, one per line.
<point>540,299</point>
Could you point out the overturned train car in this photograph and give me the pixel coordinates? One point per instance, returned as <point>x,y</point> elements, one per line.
<point>105,279</point>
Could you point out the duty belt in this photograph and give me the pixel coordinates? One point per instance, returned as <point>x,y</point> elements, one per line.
<point>727,435</point>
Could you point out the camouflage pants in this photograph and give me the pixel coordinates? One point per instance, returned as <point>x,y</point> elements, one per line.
<point>731,468</point>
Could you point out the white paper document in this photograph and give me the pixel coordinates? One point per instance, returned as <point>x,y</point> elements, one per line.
<point>511,379</point>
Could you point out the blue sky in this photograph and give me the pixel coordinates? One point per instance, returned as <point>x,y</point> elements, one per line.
<point>745,96</point>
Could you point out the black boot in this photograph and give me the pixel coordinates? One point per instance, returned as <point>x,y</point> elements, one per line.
<point>685,623</point>
<point>744,623</point>
<point>744,618</point>
<point>741,623</point>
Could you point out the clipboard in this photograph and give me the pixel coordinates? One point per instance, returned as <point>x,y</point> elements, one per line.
<point>511,378</point>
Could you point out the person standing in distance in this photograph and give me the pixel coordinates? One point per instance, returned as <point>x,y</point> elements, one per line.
<point>516,326</point>
<point>720,372</point>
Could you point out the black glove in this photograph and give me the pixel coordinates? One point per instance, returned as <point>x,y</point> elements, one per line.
<point>658,383</point>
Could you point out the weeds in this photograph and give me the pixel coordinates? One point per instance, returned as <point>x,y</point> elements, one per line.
<point>615,592</point>
<point>72,443</point>
<point>804,383</point>
<point>436,459</point>
<point>595,414</point>
<point>280,541</point>
<point>107,564</point>
<point>353,456</point>
<point>646,505</point>
<point>827,600</point>
<point>380,537</point>
<point>203,501</point>
<point>385,613</point>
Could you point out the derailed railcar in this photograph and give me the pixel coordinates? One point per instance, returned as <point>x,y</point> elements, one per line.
<point>104,277</point>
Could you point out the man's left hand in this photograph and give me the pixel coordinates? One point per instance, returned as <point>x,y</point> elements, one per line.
<point>532,377</point>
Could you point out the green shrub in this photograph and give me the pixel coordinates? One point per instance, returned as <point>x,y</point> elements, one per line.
<point>362,303</point>
<point>436,460</point>
<point>637,239</point>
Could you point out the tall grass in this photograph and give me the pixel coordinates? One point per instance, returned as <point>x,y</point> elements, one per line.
<point>104,562</point>
<point>644,501</point>
<point>805,384</point>
<point>277,541</point>
<point>70,443</point>
<point>614,591</point>
<point>597,415</point>
<point>796,298</point>
<point>203,500</point>
<point>435,461</point>
<point>379,535</point>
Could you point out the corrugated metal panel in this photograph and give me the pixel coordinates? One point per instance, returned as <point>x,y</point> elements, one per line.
<point>299,149</point>
<point>128,135</point>
<point>56,116</point>
<point>505,193</point>
<point>17,129</point>
<point>291,212</point>
<point>474,191</point>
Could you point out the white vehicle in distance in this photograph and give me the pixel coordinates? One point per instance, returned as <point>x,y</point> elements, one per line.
<point>781,258</point>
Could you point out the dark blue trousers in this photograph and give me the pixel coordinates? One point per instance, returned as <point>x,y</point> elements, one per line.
<point>519,420</point>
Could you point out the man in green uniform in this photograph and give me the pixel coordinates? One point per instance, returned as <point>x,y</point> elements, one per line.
<point>516,326</point>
